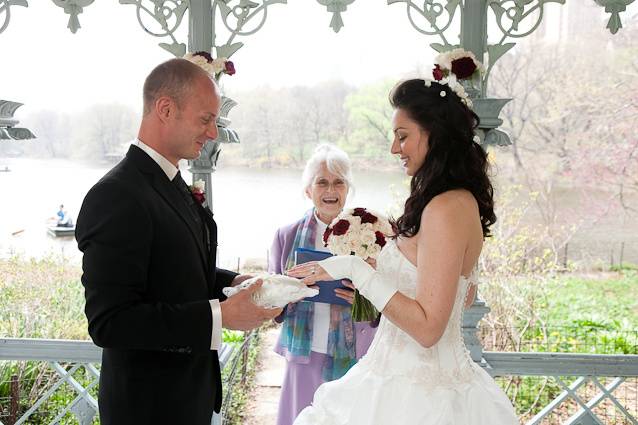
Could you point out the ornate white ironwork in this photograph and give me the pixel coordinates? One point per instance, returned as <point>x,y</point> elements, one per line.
<point>8,129</point>
<point>614,7</point>
<point>240,18</point>
<point>5,11</point>
<point>434,17</point>
<point>73,8</point>
<point>336,7</point>
<point>167,14</point>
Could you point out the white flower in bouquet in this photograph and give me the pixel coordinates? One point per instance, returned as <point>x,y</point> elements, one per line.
<point>359,231</point>
<point>362,233</point>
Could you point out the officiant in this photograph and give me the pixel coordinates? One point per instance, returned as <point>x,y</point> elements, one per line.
<point>319,340</point>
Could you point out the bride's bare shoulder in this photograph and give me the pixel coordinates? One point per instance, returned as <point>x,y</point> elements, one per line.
<point>458,204</point>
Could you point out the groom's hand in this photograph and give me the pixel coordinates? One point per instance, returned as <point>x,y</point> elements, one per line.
<point>240,313</point>
<point>240,278</point>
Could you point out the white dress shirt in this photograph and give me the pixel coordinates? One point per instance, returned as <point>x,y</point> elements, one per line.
<point>171,171</point>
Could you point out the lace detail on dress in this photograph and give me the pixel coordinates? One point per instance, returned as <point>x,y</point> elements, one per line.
<point>395,353</point>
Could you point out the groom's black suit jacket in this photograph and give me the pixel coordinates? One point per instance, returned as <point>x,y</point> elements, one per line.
<point>148,278</point>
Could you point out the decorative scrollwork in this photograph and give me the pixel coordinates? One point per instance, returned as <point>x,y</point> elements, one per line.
<point>515,19</point>
<point>73,8</point>
<point>5,11</point>
<point>434,15</point>
<point>336,7</point>
<point>614,7</point>
<point>168,14</point>
<point>510,14</point>
<point>236,20</point>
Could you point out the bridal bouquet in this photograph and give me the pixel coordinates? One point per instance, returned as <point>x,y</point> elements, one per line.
<point>276,290</point>
<point>363,233</point>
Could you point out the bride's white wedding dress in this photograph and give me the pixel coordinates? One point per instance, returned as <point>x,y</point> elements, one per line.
<point>399,382</point>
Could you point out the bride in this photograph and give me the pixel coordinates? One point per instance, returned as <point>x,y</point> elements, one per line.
<point>417,370</point>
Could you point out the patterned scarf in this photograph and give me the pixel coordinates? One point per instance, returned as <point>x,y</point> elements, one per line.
<point>296,335</point>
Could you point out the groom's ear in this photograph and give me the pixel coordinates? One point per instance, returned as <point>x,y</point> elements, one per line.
<point>165,108</point>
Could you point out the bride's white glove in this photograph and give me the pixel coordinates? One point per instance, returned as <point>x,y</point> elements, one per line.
<point>366,279</point>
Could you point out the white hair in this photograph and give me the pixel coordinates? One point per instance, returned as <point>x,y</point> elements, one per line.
<point>336,160</point>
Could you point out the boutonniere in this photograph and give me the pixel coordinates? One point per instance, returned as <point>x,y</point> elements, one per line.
<point>197,190</point>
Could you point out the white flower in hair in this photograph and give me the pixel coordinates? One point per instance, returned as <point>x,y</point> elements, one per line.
<point>457,64</point>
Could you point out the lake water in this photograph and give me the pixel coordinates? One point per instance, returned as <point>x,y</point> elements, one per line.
<point>249,204</point>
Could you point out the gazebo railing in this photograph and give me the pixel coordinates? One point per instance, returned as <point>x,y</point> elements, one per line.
<point>66,361</point>
<point>584,370</point>
<point>584,386</point>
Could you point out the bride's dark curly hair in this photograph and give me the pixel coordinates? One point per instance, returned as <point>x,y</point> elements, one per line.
<point>453,159</point>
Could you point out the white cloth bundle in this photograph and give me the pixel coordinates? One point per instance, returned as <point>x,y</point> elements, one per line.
<point>276,291</point>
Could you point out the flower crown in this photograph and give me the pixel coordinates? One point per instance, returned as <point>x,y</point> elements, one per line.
<point>452,66</point>
<point>214,67</point>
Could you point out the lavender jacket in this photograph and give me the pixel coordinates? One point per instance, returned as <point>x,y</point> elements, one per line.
<point>279,251</point>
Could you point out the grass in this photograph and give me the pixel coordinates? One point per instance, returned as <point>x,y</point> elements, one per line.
<point>608,301</point>
<point>41,299</point>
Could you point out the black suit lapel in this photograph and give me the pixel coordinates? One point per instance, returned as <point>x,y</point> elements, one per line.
<point>211,228</point>
<point>170,193</point>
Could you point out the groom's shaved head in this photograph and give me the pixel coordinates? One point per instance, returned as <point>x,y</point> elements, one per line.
<point>174,78</point>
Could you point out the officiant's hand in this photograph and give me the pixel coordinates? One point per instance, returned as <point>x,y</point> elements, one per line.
<point>240,313</point>
<point>346,294</point>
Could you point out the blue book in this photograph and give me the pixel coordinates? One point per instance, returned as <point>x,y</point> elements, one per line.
<point>326,288</point>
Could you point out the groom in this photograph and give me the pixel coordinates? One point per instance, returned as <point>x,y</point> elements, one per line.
<point>152,289</point>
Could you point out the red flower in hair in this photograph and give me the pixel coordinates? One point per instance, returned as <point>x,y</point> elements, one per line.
<point>437,73</point>
<point>463,67</point>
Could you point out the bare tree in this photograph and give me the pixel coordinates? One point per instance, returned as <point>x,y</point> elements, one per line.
<point>53,130</point>
<point>104,130</point>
